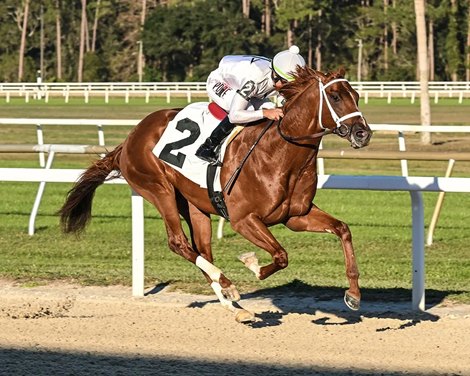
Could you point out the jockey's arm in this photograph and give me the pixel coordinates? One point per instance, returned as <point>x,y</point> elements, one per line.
<point>240,114</point>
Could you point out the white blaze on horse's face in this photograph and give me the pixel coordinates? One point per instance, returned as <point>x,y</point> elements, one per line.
<point>358,134</point>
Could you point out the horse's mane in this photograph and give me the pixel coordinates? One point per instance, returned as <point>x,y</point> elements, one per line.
<point>303,77</point>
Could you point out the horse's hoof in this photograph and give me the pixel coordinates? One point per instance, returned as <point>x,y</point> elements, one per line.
<point>351,302</point>
<point>244,317</point>
<point>231,293</point>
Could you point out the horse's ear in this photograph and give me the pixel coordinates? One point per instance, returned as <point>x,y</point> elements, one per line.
<point>340,72</point>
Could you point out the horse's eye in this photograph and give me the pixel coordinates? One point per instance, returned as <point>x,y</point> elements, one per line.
<point>335,97</point>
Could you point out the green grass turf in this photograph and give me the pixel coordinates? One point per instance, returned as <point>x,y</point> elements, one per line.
<point>380,221</point>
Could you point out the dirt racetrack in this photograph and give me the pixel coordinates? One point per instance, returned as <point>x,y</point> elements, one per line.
<point>62,329</point>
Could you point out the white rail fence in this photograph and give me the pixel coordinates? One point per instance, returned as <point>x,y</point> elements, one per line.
<point>39,124</point>
<point>414,185</point>
<point>126,90</point>
<point>101,123</point>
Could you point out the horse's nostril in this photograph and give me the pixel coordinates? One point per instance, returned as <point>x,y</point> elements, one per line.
<point>361,134</point>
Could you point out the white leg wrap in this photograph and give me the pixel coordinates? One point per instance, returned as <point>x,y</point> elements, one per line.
<point>251,262</point>
<point>212,271</point>
<point>255,269</point>
<point>225,303</point>
<point>241,315</point>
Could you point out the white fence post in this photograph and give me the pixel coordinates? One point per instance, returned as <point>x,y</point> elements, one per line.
<point>220,228</point>
<point>40,136</point>
<point>437,208</point>
<point>138,263</point>
<point>418,292</point>
<point>402,147</point>
<point>37,201</point>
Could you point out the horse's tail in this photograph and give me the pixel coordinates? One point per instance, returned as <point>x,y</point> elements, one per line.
<point>76,211</point>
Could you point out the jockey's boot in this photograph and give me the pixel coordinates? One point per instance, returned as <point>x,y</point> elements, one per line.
<point>206,151</point>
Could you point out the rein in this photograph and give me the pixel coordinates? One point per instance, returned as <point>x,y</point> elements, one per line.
<point>295,140</point>
<point>231,181</point>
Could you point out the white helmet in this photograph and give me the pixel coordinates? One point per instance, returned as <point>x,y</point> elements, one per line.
<point>286,62</point>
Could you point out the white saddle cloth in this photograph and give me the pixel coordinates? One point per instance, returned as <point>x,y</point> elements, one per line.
<point>183,136</point>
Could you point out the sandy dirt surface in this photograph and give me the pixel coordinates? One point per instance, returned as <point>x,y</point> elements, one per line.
<point>62,329</point>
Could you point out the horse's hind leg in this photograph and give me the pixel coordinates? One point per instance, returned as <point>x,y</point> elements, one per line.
<point>201,233</point>
<point>163,197</point>
<point>319,221</point>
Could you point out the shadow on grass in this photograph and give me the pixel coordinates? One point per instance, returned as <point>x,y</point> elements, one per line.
<point>38,363</point>
<point>301,298</point>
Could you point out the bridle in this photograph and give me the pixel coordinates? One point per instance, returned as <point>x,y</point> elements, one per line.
<point>341,129</point>
<point>338,120</point>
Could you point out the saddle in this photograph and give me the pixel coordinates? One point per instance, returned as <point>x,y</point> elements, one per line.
<point>180,140</point>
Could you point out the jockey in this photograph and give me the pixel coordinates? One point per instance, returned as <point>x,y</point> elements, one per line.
<point>241,85</point>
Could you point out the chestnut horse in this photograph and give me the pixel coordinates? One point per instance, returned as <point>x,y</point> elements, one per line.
<point>277,183</point>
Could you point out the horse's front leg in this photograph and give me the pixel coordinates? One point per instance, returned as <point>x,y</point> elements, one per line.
<point>254,230</point>
<point>319,221</point>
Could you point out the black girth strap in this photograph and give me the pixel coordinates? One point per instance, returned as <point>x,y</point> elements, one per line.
<point>216,197</point>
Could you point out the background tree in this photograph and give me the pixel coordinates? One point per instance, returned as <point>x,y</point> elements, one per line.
<point>176,55</point>
<point>452,43</point>
<point>467,51</point>
<point>246,8</point>
<point>423,68</point>
<point>23,16</point>
<point>83,35</point>
<point>184,40</point>
<point>58,51</point>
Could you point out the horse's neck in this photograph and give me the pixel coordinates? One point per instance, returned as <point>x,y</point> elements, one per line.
<point>289,156</point>
<point>303,127</point>
<point>302,115</point>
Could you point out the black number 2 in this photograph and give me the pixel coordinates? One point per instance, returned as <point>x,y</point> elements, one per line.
<point>178,159</point>
<point>247,89</point>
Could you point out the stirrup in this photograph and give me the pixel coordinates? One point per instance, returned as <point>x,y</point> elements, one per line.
<point>212,161</point>
<point>206,154</point>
